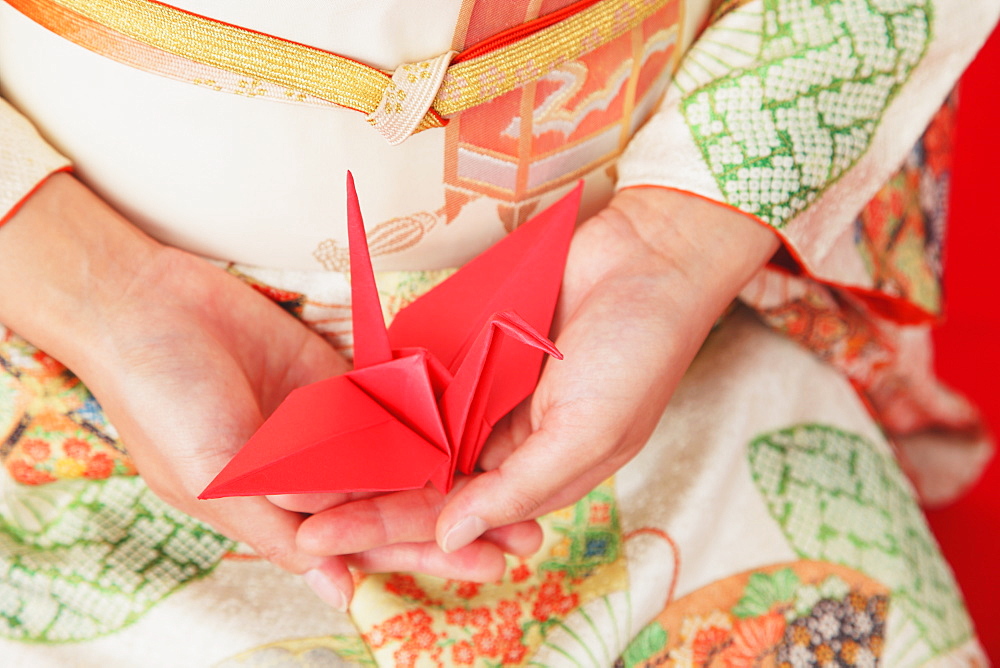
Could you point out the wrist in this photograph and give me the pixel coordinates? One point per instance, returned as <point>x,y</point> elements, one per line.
<point>679,259</point>
<point>696,231</point>
<point>66,259</point>
<point>713,247</point>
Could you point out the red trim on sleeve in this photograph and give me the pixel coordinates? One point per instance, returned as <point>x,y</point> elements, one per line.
<point>14,209</point>
<point>896,309</point>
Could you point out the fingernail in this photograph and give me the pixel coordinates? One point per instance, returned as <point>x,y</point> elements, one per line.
<point>324,588</point>
<point>463,533</point>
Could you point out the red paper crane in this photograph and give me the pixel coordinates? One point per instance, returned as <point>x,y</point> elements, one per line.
<point>424,394</point>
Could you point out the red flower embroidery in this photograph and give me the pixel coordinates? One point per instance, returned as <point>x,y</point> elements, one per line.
<point>424,637</point>
<point>753,639</point>
<point>600,513</point>
<point>395,627</point>
<point>404,585</point>
<point>708,643</point>
<point>376,637</point>
<point>480,617</point>
<point>486,644</point>
<point>77,448</point>
<point>406,656</point>
<point>26,474</point>
<point>419,617</point>
<point>457,616</point>
<point>514,654</point>
<point>520,573</point>
<point>407,587</point>
<point>552,600</point>
<point>508,610</point>
<point>462,653</point>
<point>99,466</point>
<point>36,450</point>
<point>468,589</point>
<point>414,629</point>
<point>510,633</point>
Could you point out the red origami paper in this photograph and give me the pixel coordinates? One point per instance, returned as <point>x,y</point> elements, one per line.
<point>424,394</point>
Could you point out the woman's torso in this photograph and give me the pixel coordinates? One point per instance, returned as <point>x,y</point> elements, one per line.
<point>251,180</point>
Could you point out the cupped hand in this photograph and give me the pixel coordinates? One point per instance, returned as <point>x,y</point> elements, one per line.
<point>645,281</point>
<point>186,361</point>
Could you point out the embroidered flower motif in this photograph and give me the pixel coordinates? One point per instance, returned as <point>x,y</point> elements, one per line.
<point>794,615</point>
<point>754,639</point>
<point>600,513</point>
<point>407,587</point>
<point>99,466</point>
<point>414,629</point>
<point>35,449</point>
<point>480,618</point>
<point>553,600</point>
<point>24,473</point>
<point>499,624</point>
<point>708,643</point>
<point>623,18</point>
<point>458,616</point>
<point>452,87</point>
<point>462,653</point>
<point>76,448</point>
<point>508,610</point>
<point>468,589</point>
<point>591,40</point>
<point>65,467</point>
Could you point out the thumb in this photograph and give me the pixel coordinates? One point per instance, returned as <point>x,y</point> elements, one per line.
<point>552,468</point>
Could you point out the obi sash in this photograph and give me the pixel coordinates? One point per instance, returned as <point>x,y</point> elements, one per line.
<point>171,42</point>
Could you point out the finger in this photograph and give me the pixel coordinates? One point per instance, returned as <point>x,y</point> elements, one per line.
<point>477,562</point>
<point>307,503</point>
<point>269,530</point>
<point>403,517</point>
<point>522,539</point>
<point>332,583</point>
<point>358,526</point>
<point>555,466</point>
<point>507,435</point>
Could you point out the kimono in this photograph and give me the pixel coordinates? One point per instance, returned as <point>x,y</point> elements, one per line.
<point>771,519</point>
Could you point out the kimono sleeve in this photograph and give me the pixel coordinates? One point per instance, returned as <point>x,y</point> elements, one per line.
<point>797,112</point>
<point>26,160</point>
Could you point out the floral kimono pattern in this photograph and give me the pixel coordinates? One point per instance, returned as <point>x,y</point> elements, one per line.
<point>768,521</point>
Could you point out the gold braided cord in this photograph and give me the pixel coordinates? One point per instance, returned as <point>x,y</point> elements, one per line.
<point>493,74</point>
<point>346,82</point>
<point>236,49</point>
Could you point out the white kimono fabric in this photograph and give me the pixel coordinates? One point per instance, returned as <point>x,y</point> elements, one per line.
<point>766,522</point>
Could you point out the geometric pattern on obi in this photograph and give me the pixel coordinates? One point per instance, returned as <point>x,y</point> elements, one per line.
<point>552,131</point>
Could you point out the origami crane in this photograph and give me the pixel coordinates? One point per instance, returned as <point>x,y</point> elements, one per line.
<point>424,394</point>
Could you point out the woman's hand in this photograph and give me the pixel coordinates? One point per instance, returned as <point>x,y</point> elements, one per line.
<point>187,361</point>
<point>645,281</point>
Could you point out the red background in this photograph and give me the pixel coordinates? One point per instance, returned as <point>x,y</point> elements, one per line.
<point>968,357</point>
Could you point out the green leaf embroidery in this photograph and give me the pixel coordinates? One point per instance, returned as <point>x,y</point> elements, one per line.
<point>649,642</point>
<point>764,591</point>
<point>96,557</point>
<point>840,498</point>
<point>784,96</point>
